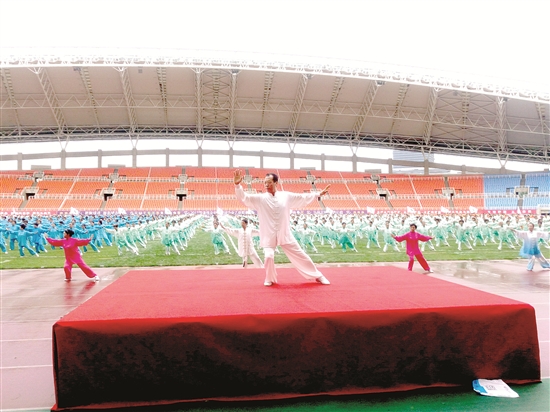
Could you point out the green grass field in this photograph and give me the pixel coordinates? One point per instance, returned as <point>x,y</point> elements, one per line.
<point>200,252</point>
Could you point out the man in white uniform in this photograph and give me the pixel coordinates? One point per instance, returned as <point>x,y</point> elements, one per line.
<point>246,245</point>
<point>273,209</point>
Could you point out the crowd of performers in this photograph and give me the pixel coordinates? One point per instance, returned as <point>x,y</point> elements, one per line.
<point>349,232</point>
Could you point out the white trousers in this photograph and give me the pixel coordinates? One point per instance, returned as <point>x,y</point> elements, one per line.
<point>301,261</point>
<point>255,259</point>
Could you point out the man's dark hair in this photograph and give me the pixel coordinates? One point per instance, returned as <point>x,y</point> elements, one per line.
<point>413,224</point>
<point>245,220</point>
<point>274,176</point>
<point>69,232</point>
<point>23,226</point>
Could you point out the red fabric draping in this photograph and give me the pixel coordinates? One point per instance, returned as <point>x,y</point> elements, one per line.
<point>155,337</point>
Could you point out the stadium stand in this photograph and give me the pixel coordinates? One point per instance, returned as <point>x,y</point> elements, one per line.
<point>89,187</point>
<point>500,183</point>
<point>53,173</point>
<point>363,188</point>
<point>200,172</point>
<point>428,185</point>
<point>134,172</point>
<point>166,172</point>
<point>126,204</point>
<point>130,188</point>
<point>48,204</point>
<point>97,172</point>
<point>397,186</point>
<point>162,188</point>
<point>538,182</point>
<point>9,203</point>
<point>14,185</point>
<point>404,203</point>
<point>48,187</point>
<point>155,189</point>
<point>82,204</point>
<point>466,184</point>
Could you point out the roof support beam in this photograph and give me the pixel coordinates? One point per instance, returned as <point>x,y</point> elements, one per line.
<point>268,84</point>
<point>161,75</point>
<point>51,97</point>
<point>85,77</point>
<point>501,121</point>
<point>298,102</point>
<point>199,99</point>
<point>372,88</point>
<point>432,104</point>
<point>544,127</point>
<point>337,86</point>
<point>130,104</point>
<point>6,81</point>
<point>399,103</point>
<point>232,101</point>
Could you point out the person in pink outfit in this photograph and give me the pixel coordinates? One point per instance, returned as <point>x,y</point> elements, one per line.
<point>412,238</point>
<point>72,254</point>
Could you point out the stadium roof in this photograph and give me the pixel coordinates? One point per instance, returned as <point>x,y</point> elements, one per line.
<point>224,96</point>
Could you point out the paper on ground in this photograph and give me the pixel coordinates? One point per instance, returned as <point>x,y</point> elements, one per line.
<point>493,387</point>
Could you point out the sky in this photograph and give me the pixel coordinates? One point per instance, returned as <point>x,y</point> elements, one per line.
<point>506,40</point>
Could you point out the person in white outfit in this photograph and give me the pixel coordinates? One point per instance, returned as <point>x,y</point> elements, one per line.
<point>245,244</point>
<point>273,208</point>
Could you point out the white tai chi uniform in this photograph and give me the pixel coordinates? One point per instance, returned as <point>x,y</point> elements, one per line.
<point>274,217</point>
<point>245,244</point>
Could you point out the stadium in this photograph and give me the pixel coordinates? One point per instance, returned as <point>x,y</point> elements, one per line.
<point>157,133</point>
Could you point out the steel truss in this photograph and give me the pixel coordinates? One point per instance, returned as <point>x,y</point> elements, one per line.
<point>478,148</point>
<point>364,70</point>
<point>216,110</point>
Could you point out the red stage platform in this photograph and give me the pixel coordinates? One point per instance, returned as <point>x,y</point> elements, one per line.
<point>162,337</point>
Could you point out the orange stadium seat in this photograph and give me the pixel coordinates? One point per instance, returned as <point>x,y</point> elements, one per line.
<point>99,172</point>
<point>8,203</point>
<point>292,174</point>
<point>89,187</point>
<point>367,188</point>
<point>326,175</point>
<point>62,173</point>
<point>231,204</point>
<point>467,184</point>
<point>224,173</point>
<point>296,187</point>
<point>162,188</point>
<point>167,172</point>
<point>375,203</point>
<point>398,186</point>
<point>160,204</point>
<point>335,188</point>
<point>199,204</point>
<point>134,171</point>
<point>11,185</point>
<point>403,203</point>
<point>82,204</point>
<point>434,203</point>
<point>130,188</point>
<point>48,187</point>
<point>201,172</point>
<point>341,204</point>
<point>126,204</point>
<point>41,203</point>
<point>465,203</point>
<point>201,188</point>
<point>428,185</point>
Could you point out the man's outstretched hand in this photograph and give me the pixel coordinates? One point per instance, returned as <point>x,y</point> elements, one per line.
<point>237,176</point>
<point>324,191</point>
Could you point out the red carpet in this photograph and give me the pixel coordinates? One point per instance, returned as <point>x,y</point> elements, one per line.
<point>160,337</point>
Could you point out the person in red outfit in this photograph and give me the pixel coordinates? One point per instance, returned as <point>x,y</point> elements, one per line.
<point>413,250</point>
<point>72,254</point>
